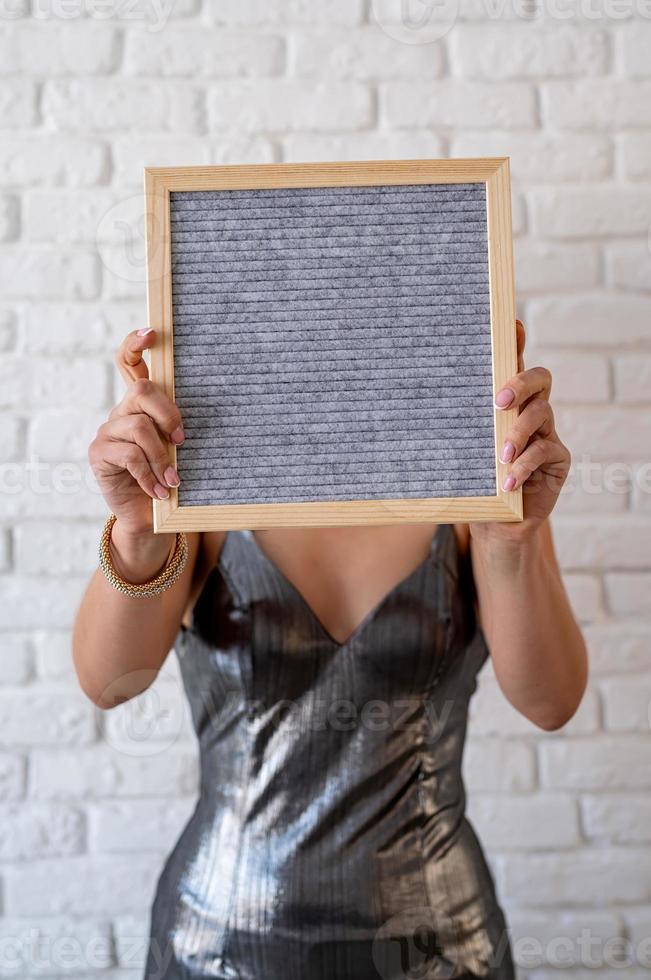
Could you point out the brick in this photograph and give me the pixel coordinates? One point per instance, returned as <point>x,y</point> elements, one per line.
<point>37,830</point>
<point>541,156</point>
<point>70,217</point>
<point>107,885</point>
<point>557,937</point>
<point>627,702</point>
<point>621,762</point>
<point>11,439</point>
<point>104,772</point>
<point>577,878</point>
<point>362,54</point>
<point>8,329</point>
<point>526,51</point>
<point>492,714</point>
<point>590,211</point>
<point>621,542</point>
<point>254,13</point>
<point>603,441</point>
<point>47,273</point>
<point>43,600</point>
<point>53,657</point>
<point>586,491</point>
<point>495,764</point>
<point>638,925</point>
<point>9,217</point>
<point>458,103</point>
<point>35,160</point>
<point>584,593</point>
<point>131,935</point>
<point>641,481</point>
<point>79,328</point>
<point>616,648</point>
<point>172,106</point>
<point>629,265</point>
<point>161,712</point>
<point>41,546</point>
<point>60,382</point>
<point>55,945</point>
<point>576,377</point>
<point>633,378</point>
<point>64,433</point>
<point>15,658</point>
<point>361,146</point>
<point>628,593</point>
<point>59,49</point>
<point>131,155</point>
<point>540,266</point>
<point>64,718</point>
<point>525,822</point>
<point>137,826</point>
<point>635,155</point>
<point>17,103</point>
<point>634,44</point>
<point>198,51</point>
<point>12,776</point>
<point>592,320</point>
<point>289,105</point>
<point>624,818</point>
<point>599,103</point>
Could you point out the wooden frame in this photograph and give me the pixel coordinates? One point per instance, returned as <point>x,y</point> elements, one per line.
<point>494,173</point>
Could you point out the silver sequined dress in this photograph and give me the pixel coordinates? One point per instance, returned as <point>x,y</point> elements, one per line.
<point>329,840</point>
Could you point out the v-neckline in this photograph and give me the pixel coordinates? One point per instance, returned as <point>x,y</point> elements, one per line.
<point>370,616</point>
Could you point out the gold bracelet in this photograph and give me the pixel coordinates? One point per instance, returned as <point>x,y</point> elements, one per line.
<point>173,567</point>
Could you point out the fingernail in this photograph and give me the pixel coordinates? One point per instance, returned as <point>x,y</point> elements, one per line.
<point>144,331</point>
<point>161,492</point>
<point>172,477</point>
<point>504,397</point>
<point>509,482</point>
<point>508,450</point>
<point>178,435</point>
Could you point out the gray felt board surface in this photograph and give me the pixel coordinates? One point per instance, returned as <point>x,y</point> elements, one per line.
<point>332,343</point>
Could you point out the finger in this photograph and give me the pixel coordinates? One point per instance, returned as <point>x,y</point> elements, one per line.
<point>521,341</point>
<point>537,418</point>
<point>129,359</point>
<point>522,386</point>
<point>548,454</point>
<point>145,396</point>
<point>127,456</point>
<point>140,430</point>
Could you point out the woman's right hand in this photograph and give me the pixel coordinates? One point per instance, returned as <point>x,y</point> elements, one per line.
<point>128,454</point>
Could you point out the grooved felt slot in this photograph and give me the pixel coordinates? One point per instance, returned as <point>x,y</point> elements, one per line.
<point>332,343</point>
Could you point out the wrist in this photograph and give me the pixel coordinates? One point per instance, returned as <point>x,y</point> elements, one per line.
<point>139,556</point>
<point>508,548</point>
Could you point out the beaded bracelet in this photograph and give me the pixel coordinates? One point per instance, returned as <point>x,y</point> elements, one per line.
<point>173,567</point>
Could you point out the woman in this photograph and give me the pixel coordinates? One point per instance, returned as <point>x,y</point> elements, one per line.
<point>329,672</point>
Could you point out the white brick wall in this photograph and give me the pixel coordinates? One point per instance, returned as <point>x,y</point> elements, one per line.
<point>85,103</point>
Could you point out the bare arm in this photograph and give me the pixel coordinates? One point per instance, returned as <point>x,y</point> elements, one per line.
<point>536,646</point>
<point>119,643</point>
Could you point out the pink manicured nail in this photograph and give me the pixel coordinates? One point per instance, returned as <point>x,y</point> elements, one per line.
<point>504,397</point>
<point>161,492</point>
<point>508,449</point>
<point>172,477</point>
<point>178,435</point>
<point>509,482</point>
<point>144,331</point>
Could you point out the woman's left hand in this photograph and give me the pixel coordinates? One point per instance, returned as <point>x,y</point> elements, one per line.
<point>539,461</point>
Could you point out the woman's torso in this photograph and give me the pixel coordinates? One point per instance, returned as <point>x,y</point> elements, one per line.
<point>330,837</point>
